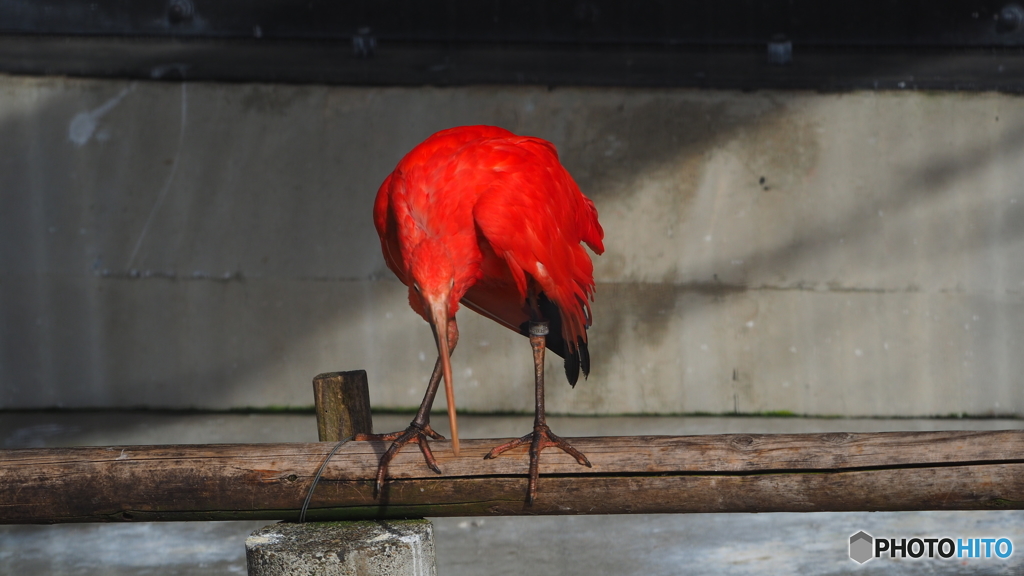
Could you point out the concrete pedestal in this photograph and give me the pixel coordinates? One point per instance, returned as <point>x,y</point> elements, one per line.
<point>369,548</point>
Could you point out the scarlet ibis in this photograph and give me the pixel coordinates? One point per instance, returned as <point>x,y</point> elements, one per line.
<point>480,216</point>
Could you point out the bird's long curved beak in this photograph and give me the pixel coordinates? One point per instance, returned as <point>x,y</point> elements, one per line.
<point>439,314</point>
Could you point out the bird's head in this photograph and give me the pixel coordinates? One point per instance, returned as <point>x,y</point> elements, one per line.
<point>433,294</point>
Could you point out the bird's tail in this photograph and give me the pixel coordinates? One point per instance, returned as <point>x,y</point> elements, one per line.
<point>577,357</point>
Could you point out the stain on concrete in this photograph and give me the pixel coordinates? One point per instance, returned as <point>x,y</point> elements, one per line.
<point>84,124</point>
<point>276,100</point>
<point>779,149</point>
<point>633,132</point>
<point>645,311</point>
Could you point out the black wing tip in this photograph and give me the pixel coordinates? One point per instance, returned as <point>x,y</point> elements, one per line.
<point>577,361</point>
<point>584,351</point>
<point>572,366</point>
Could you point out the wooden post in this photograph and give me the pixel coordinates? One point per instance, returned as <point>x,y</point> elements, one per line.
<point>377,548</point>
<point>342,405</point>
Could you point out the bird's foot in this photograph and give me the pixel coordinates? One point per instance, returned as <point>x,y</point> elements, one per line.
<point>542,437</point>
<point>414,433</point>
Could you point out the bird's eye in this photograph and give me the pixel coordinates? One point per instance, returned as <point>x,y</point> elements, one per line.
<point>416,287</point>
<point>451,284</point>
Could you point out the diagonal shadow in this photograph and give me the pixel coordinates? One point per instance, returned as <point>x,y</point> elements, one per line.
<point>263,244</point>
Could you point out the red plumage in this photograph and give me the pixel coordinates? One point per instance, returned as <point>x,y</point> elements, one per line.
<point>481,216</point>
<point>506,208</point>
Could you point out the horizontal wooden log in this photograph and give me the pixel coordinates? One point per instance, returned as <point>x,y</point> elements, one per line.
<point>721,473</point>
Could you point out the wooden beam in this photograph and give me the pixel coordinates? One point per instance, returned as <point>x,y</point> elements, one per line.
<point>721,473</point>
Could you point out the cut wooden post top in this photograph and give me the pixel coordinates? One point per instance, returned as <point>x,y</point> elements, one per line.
<point>342,405</point>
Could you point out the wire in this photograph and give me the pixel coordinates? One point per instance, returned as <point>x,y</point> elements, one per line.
<point>309,496</point>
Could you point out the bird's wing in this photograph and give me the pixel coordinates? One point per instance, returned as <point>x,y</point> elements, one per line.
<point>533,217</point>
<point>387,227</point>
<point>499,303</point>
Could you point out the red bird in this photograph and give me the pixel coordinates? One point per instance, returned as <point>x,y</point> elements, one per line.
<point>481,216</point>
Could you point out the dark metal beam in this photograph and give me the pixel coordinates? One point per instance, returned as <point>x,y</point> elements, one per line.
<point>731,44</point>
<point>953,23</point>
<point>439,65</point>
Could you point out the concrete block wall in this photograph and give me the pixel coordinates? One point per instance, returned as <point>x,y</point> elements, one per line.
<point>211,246</point>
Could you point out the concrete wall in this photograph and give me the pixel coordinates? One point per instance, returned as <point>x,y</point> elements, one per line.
<point>205,245</point>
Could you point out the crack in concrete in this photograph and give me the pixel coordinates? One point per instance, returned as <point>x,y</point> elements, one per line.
<point>705,288</point>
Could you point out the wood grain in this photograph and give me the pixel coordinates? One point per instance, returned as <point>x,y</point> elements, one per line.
<point>722,473</point>
<point>342,405</point>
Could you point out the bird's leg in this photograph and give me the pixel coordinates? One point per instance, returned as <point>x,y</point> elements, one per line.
<point>418,431</point>
<point>542,437</point>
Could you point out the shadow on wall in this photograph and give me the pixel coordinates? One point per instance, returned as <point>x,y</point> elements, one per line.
<point>204,245</point>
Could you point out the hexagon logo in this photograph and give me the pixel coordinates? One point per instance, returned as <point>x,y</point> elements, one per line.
<point>861,545</point>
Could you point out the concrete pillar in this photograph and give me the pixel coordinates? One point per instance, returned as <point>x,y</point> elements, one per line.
<point>364,548</point>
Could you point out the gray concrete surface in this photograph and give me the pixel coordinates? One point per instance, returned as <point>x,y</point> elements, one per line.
<point>722,544</point>
<point>706,544</point>
<point>699,544</point>
<point>366,548</point>
<point>186,549</point>
<point>53,429</point>
<point>208,245</point>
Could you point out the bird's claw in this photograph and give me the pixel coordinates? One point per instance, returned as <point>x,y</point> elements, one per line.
<point>542,437</point>
<point>390,436</point>
<point>414,433</point>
